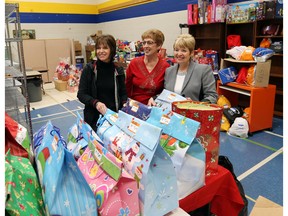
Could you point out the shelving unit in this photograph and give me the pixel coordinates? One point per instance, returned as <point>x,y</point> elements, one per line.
<point>276,73</point>
<point>245,30</point>
<point>209,36</point>
<point>16,94</point>
<point>255,29</point>
<point>260,101</point>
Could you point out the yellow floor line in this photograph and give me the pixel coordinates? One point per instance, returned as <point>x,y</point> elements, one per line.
<point>257,166</point>
<point>262,145</point>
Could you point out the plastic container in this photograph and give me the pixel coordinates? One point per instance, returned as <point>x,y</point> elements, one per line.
<point>34,89</point>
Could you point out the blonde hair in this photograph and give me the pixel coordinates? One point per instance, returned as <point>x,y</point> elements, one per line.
<point>185,41</point>
<point>155,35</point>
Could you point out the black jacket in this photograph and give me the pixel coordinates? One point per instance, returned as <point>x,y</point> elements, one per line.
<point>87,92</point>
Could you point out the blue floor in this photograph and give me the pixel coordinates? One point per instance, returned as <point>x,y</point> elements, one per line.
<point>257,160</point>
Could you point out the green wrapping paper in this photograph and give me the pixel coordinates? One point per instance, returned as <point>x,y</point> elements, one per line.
<point>22,189</point>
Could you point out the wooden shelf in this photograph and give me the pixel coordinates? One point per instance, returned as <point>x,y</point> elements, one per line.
<point>269,36</point>
<point>278,54</point>
<point>237,61</point>
<point>244,23</point>
<point>209,36</point>
<point>278,113</point>
<point>214,36</point>
<point>279,92</point>
<point>237,90</point>
<point>261,103</point>
<point>276,75</point>
<point>206,38</point>
<point>251,35</point>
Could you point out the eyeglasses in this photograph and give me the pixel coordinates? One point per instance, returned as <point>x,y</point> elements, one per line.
<point>149,43</point>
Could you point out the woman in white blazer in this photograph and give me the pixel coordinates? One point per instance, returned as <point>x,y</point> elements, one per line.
<point>188,78</point>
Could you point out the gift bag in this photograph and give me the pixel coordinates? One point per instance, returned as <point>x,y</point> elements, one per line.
<point>115,190</point>
<point>166,97</point>
<point>77,138</point>
<point>65,190</point>
<point>187,154</point>
<point>75,142</point>
<point>136,109</point>
<point>137,143</point>
<point>22,189</point>
<point>209,116</point>
<point>17,139</point>
<point>214,56</point>
<point>106,122</point>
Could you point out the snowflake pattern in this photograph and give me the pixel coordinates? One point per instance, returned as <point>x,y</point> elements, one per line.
<point>150,194</point>
<point>54,188</point>
<point>162,193</point>
<point>89,210</point>
<point>59,156</point>
<point>72,166</point>
<point>66,203</point>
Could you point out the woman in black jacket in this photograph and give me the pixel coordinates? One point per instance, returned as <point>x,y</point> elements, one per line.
<point>102,83</point>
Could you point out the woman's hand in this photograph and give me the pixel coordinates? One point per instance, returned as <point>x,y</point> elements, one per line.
<point>101,107</point>
<point>151,102</point>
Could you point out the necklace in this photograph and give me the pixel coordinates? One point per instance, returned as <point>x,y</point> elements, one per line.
<point>181,73</point>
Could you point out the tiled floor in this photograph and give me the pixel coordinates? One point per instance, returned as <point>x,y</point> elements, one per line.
<point>257,160</point>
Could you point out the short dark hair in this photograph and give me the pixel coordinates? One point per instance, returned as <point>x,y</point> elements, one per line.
<point>107,40</point>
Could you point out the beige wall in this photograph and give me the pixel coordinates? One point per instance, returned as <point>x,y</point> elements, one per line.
<point>127,29</point>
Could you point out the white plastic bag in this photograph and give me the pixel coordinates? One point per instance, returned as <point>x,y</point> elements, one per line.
<point>239,128</point>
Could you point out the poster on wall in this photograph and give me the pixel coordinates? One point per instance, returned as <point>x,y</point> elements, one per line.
<point>26,34</point>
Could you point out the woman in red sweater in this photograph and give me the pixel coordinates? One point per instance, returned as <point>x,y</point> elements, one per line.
<point>145,74</point>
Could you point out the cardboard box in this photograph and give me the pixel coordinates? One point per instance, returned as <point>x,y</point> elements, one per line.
<point>270,8</point>
<point>241,12</point>
<point>78,53</point>
<point>262,73</point>
<point>60,85</point>
<point>77,46</point>
<point>265,207</point>
<point>189,14</point>
<point>195,13</point>
<point>279,9</point>
<point>97,34</point>
<point>221,11</point>
<point>90,48</point>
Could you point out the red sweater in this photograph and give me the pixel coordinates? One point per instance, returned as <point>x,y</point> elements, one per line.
<point>142,85</point>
